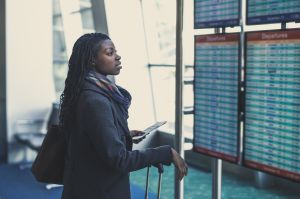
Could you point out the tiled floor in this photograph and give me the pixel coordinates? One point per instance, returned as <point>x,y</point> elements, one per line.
<point>198,186</point>
<point>197,183</point>
<point>19,183</point>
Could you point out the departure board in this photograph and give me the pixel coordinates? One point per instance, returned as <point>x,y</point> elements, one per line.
<point>216,13</point>
<point>272,11</point>
<point>216,95</point>
<point>272,112</point>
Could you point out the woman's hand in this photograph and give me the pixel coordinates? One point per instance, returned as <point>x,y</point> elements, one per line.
<point>134,134</point>
<point>179,164</point>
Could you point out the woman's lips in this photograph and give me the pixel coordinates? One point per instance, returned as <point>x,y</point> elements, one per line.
<point>118,66</point>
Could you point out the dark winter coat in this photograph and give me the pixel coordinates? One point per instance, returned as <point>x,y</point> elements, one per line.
<point>100,156</point>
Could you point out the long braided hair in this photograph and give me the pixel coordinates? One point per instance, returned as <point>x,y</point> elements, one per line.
<point>83,55</point>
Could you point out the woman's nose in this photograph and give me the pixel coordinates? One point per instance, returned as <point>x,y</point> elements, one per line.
<point>118,57</point>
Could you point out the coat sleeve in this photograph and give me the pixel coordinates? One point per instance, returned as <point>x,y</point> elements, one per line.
<point>99,124</point>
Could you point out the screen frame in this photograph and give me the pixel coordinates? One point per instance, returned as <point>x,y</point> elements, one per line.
<point>237,21</point>
<point>269,22</point>
<point>245,110</point>
<point>239,108</point>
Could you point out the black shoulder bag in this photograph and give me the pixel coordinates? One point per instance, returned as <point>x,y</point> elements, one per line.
<point>48,166</point>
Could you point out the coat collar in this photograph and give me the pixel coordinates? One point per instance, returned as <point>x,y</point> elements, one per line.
<point>87,85</point>
<point>92,87</point>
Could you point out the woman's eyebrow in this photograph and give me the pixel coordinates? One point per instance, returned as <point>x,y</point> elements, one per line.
<point>110,48</point>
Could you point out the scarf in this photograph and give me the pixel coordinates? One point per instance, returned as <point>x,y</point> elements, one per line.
<point>117,93</point>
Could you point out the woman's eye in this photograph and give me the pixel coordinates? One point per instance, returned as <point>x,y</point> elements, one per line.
<point>111,52</point>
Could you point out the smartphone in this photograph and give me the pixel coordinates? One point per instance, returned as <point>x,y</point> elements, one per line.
<point>150,129</point>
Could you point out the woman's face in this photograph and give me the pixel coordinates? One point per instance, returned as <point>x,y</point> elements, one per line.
<point>107,60</point>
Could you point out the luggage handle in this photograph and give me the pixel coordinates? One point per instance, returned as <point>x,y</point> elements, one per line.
<point>160,169</point>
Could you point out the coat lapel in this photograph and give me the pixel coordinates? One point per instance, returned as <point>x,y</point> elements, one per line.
<point>118,113</point>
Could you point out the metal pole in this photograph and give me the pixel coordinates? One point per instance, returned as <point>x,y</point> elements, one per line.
<point>99,16</point>
<point>149,68</point>
<point>3,117</point>
<point>217,178</point>
<point>217,165</point>
<point>242,79</point>
<point>178,101</point>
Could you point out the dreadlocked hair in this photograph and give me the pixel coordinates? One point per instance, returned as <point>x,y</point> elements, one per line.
<point>80,63</point>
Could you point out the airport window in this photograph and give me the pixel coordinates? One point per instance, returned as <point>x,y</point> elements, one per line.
<point>160,19</point>
<point>78,16</point>
<point>161,42</point>
<point>60,59</point>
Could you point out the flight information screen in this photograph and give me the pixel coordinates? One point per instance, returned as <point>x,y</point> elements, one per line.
<point>216,13</point>
<point>216,95</point>
<point>272,11</point>
<point>272,112</point>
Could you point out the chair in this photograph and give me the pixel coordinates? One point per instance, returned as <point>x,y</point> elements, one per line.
<point>31,133</point>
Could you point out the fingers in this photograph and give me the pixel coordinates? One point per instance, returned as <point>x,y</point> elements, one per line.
<point>136,133</point>
<point>136,141</point>
<point>182,167</point>
<point>180,176</point>
<point>183,171</point>
<point>186,169</point>
<point>140,132</point>
<point>133,133</point>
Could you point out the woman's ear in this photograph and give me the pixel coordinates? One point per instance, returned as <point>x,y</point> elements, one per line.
<point>93,62</point>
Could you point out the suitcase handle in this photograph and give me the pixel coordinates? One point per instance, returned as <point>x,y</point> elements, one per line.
<point>147,182</point>
<point>160,169</point>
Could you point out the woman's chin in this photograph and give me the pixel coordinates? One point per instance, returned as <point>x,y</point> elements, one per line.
<point>117,72</point>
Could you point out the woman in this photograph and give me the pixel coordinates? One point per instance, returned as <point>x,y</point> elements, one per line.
<point>94,114</point>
